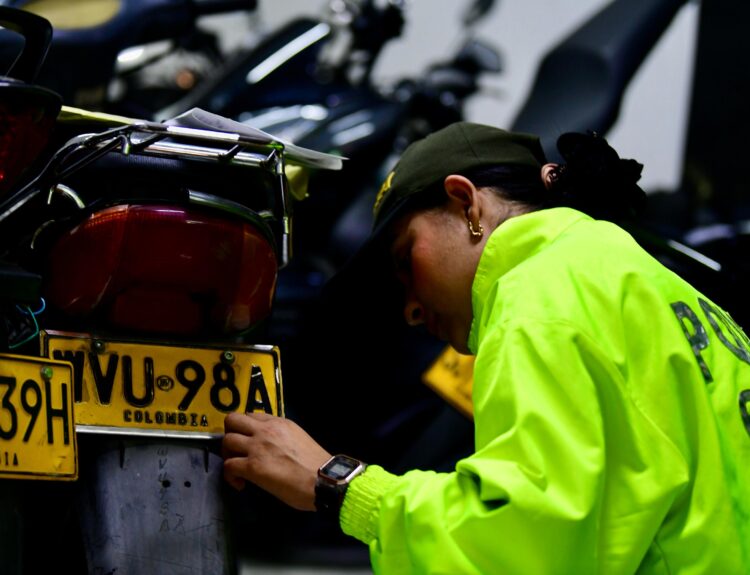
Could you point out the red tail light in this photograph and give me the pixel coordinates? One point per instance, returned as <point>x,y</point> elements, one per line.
<point>163,269</point>
<point>27,117</point>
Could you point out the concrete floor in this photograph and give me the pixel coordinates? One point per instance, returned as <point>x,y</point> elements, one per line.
<point>328,559</point>
<point>252,568</point>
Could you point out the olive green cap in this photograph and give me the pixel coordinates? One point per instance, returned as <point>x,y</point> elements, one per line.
<point>455,149</point>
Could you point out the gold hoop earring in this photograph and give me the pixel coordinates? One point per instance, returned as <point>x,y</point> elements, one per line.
<point>478,233</point>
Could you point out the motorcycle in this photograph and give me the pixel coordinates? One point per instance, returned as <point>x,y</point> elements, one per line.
<point>127,57</point>
<point>154,251</point>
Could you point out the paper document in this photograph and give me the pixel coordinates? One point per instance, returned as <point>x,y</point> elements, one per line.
<point>203,120</point>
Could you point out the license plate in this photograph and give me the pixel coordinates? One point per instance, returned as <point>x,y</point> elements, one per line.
<point>37,434</point>
<point>452,377</point>
<point>137,388</point>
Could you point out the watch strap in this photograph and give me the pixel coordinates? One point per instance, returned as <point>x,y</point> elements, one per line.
<point>329,498</point>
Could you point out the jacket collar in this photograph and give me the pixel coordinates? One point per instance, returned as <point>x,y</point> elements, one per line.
<point>512,242</point>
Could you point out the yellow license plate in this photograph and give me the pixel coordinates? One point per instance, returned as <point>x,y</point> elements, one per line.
<point>452,377</point>
<point>37,433</point>
<point>146,388</point>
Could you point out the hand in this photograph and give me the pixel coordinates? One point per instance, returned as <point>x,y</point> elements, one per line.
<point>274,453</point>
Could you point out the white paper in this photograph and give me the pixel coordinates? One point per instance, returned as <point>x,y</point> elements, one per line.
<point>200,119</point>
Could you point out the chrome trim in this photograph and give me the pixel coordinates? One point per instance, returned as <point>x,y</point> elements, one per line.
<point>697,256</point>
<point>353,134</point>
<point>168,149</point>
<point>286,213</point>
<point>229,206</point>
<point>286,53</point>
<point>66,192</point>
<point>102,430</point>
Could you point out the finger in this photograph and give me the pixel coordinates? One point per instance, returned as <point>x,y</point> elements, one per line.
<point>240,423</point>
<point>227,453</point>
<point>232,420</point>
<point>234,480</point>
<point>234,444</point>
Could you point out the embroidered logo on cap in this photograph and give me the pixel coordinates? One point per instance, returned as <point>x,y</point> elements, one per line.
<point>382,193</point>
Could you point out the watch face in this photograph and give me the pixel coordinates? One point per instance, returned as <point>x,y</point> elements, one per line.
<point>339,470</point>
<point>340,467</point>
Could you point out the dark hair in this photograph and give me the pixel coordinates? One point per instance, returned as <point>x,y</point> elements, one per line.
<point>520,184</point>
<point>593,180</point>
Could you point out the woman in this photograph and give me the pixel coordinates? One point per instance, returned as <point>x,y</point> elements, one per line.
<point>610,397</point>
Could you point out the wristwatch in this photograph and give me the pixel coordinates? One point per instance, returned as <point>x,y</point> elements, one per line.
<point>333,480</point>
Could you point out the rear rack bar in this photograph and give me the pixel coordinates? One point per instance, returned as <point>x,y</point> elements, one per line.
<point>168,141</point>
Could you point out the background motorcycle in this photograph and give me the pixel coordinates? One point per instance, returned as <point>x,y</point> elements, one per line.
<point>103,51</point>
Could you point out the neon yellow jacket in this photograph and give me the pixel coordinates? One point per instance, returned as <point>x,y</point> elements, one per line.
<point>611,414</point>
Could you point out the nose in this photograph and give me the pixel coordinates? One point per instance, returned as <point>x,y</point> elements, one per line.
<point>413,312</point>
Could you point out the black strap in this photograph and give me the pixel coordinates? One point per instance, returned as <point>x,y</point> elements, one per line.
<point>329,498</point>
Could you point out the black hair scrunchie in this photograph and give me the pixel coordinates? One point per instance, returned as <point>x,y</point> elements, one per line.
<point>595,180</point>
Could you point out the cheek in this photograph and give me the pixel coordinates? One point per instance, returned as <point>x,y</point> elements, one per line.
<point>428,275</point>
<point>419,279</point>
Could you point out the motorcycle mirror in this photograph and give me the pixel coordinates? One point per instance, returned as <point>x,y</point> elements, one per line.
<point>476,56</point>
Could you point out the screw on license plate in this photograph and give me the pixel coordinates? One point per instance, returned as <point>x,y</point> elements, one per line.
<point>164,382</point>
<point>98,345</point>
<point>227,357</point>
<point>46,372</point>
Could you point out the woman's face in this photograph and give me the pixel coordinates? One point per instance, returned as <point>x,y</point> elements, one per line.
<point>436,256</point>
<point>435,259</point>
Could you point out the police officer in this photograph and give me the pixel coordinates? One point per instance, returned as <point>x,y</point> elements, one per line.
<point>611,397</point>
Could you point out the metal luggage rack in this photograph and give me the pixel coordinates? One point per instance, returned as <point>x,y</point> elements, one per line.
<point>159,140</point>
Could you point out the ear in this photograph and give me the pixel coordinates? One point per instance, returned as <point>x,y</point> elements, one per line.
<point>462,191</point>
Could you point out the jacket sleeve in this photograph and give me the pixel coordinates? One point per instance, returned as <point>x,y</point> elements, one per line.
<point>531,498</point>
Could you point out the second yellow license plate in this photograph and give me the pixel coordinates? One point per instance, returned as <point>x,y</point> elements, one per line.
<point>37,437</point>
<point>452,376</point>
<point>142,388</point>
